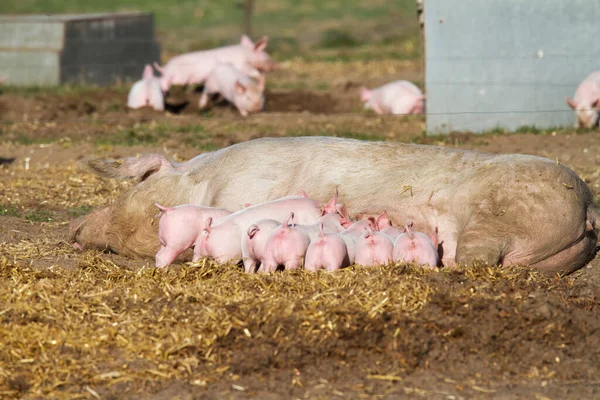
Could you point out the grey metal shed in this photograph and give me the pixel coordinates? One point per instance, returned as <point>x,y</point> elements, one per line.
<point>88,48</point>
<point>506,63</point>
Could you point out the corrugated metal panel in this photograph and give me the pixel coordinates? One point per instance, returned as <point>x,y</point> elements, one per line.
<point>506,63</point>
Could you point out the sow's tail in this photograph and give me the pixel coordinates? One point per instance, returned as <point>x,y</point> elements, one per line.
<point>138,168</point>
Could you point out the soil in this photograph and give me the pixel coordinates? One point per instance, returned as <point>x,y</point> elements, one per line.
<point>478,335</point>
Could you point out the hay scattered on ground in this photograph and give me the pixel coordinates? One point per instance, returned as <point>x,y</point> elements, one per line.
<point>106,328</point>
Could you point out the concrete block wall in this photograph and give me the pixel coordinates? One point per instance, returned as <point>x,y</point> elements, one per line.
<point>71,48</point>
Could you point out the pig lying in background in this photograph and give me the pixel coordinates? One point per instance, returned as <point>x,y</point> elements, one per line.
<point>417,247</point>
<point>490,208</point>
<point>180,228</point>
<point>586,102</point>
<point>194,68</point>
<point>146,92</point>
<point>235,86</point>
<point>399,97</point>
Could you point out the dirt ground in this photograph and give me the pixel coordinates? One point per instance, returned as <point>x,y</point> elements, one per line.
<point>97,325</point>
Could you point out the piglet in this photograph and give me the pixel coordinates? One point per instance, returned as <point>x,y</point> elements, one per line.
<point>586,102</point>
<point>180,228</point>
<point>328,252</point>
<point>235,86</point>
<point>254,242</point>
<point>351,234</point>
<point>285,246</point>
<point>417,247</point>
<point>146,92</point>
<point>384,223</point>
<point>373,248</point>
<point>399,97</point>
<point>194,68</point>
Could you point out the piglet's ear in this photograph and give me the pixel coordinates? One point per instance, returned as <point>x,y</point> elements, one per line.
<point>596,103</point>
<point>373,223</point>
<point>383,220</point>
<point>571,102</point>
<point>208,224</point>
<point>261,45</point>
<point>148,73</point>
<point>330,206</point>
<point>245,41</point>
<point>434,238</point>
<point>241,89</point>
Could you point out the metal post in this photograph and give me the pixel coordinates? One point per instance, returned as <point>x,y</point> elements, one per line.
<point>248,10</point>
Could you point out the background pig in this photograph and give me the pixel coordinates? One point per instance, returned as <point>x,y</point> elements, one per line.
<point>254,242</point>
<point>490,208</point>
<point>418,247</point>
<point>194,68</point>
<point>285,246</point>
<point>180,228</point>
<point>235,86</point>
<point>373,248</point>
<point>146,92</point>
<point>221,239</point>
<point>586,102</point>
<point>327,251</point>
<point>399,97</point>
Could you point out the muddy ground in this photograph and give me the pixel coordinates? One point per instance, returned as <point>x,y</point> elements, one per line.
<point>97,325</point>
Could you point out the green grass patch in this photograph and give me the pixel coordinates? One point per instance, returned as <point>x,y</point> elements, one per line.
<point>293,25</point>
<point>39,216</point>
<point>8,210</point>
<point>78,211</point>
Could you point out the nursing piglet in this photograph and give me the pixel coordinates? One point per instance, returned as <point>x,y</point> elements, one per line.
<point>221,239</point>
<point>180,228</point>
<point>328,251</point>
<point>146,92</point>
<point>285,246</point>
<point>254,242</point>
<point>417,247</point>
<point>399,97</point>
<point>353,233</point>
<point>235,86</point>
<point>373,248</point>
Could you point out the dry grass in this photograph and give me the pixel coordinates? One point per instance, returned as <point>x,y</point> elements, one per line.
<point>100,325</point>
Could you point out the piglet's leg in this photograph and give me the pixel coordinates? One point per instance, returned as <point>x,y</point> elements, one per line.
<point>203,100</point>
<point>166,256</point>
<point>250,265</point>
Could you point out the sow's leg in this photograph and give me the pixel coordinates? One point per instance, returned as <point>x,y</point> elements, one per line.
<point>536,213</point>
